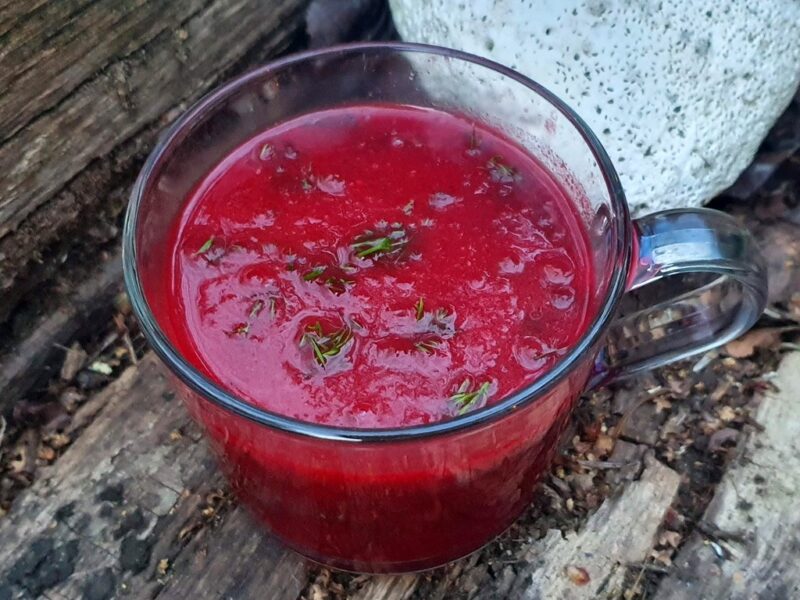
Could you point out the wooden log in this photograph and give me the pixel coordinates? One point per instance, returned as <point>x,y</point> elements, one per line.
<point>591,563</point>
<point>135,64</point>
<point>134,504</point>
<point>135,507</point>
<point>85,85</point>
<point>748,545</point>
<point>34,360</point>
<point>235,560</point>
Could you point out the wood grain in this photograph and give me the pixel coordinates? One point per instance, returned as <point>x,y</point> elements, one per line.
<point>620,533</point>
<point>184,53</point>
<point>141,479</point>
<point>134,490</point>
<point>34,360</point>
<point>750,543</point>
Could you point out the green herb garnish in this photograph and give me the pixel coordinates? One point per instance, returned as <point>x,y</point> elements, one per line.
<point>306,184</point>
<point>427,347</point>
<point>467,399</point>
<point>443,322</point>
<point>241,329</point>
<point>205,247</point>
<point>325,346</point>
<point>255,310</point>
<point>314,273</point>
<point>370,244</point>
<point>257,307</point>
<point>500,171</point>
<point>419,309</point>
<point>338,285</point>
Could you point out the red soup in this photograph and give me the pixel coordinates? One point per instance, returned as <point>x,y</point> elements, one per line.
<point>380,266</point>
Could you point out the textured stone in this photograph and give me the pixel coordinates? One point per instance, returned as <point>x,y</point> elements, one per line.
<point>680,93</point>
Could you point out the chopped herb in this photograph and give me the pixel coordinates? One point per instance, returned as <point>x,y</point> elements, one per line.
<point>325,346</point>
<point>444,321</point>
<point>255,310</point>
<point>467,399</point>
<point>267,152</point>
<point>272,311</point>
<point>314,273</point>
<point>366,245</point>
<point>427,222</point>
<point>311,340</point>
<point>205,247</point>
<point>241,329</point>
<point>372,246</point>
<point>338,285</point>
<point>419,309</point>
<point>309,180</point>
<point>258,306</point>
<point>427,347</point>
<point>500,171</point>
<point>409,208</point>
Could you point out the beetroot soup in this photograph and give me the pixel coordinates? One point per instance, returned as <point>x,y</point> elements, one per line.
<point>383,314</point>
<point>377,266</point>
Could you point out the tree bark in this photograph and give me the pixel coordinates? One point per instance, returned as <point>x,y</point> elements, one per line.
<point>85,86</point>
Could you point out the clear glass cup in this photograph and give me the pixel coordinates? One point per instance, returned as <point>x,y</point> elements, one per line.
<point>403,499</point>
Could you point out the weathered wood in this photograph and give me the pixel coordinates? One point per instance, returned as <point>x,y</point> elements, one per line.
<point>106,77</point>
<point>180,54</point>
<point>235,560</point>
<point>136,501</point>
<point>26,365</point>
<point>131,492</point>
<point>749,546</point>
<point>125,465</point>
<point>397,587</point>
<point>621,533</point>
<point>70,41</point>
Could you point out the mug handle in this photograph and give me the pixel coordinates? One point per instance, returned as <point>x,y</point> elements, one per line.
<point>685,241</point>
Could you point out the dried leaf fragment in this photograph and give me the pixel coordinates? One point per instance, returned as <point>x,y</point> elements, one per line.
<point>746,346</point>
<point>73,362</point>
<point>577,575</point>
<point>163,566</point>
<point>669,538</point>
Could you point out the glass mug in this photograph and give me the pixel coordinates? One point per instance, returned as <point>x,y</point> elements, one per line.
<point>405,499</point>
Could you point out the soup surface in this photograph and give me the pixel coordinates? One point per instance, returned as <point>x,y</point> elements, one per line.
<point>377,266</point>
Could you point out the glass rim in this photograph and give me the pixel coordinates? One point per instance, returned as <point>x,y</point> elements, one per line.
<point>225,399</point>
